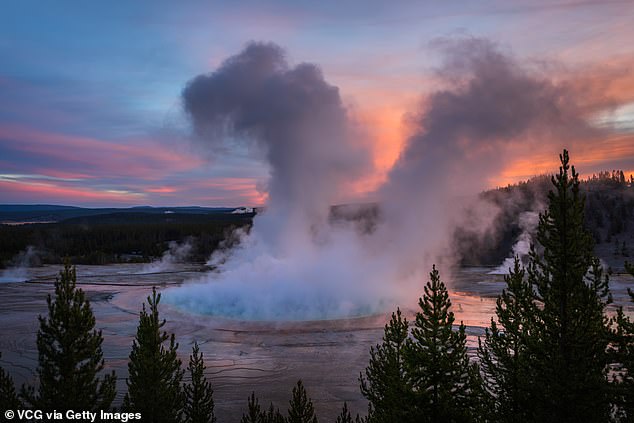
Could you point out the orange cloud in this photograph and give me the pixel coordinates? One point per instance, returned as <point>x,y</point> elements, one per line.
<point>588,158</point>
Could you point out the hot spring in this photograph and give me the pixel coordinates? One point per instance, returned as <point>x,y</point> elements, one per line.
<point>280,290</point>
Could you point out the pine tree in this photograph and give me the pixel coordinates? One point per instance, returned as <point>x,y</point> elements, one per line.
<point>385,384</point>
<point>254,411</point>
<point>442,377</point>
<point>301,408</point>
<point>155,374</point>
<point>69,354</point>
<point>569,344</point>
<point>504,356</point>
<point>199,402</point>
<point>345,416</point>
<point>273,415</point>
<point>624,352</point>
<point>8,397</point>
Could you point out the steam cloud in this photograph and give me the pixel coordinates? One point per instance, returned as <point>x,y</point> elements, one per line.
<point>528,222</point>
<point>176,253</point>
<point>295,263</point>
<point>19,271</point>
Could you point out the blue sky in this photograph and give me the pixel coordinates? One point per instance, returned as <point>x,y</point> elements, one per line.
<point>90,108</point>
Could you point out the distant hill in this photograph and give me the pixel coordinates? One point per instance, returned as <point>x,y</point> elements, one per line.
<point>18,213</point>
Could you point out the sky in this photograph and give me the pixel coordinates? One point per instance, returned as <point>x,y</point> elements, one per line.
<point>91,111</point>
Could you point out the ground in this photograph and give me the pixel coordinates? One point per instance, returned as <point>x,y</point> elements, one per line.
<point>265,357</point>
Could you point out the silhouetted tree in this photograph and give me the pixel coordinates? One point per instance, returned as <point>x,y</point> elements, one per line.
<point>624,357</point>
<point>569,345</point>
<point>385,384</point>
<point>254,412</point>
<point>199,401</point>
<point>8,397</point>
<point>273,415</point>
<point>301,408</point>
<point>70,357</point>
<point>504,354</point>
<point>344,416</point>
<point>444,381</point>
<point>155,374</point>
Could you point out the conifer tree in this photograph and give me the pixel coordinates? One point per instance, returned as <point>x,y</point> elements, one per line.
<point>385,384</point>
<point>8,397</point>
<point>254,412</point>
<point>504,356</point>
<point>344,416</point>
<point>301,408</point>
<point>155,374</point>
<point>442,377</point>
<point>199,402</point>
<point>70,357</point>
<point>569,345</point>
<point>624,351</point>
<point>273,415</point>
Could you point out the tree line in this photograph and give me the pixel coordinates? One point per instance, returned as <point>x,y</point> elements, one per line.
<point>119,237</point>
<point>550,354</point>
<point>608,216</point>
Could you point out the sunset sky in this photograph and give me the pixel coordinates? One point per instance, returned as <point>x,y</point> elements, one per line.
<point>90,92</point>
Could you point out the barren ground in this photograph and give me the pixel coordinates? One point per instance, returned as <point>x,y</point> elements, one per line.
<point>265,357</point>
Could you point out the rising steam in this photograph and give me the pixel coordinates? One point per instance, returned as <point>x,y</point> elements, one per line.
<point>528,222</point>
<point>19,271</point>
<point>176,253</point>
<point>296,263</point>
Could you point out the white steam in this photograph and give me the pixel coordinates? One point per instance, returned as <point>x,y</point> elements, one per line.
<point>298,264</point>
<point>177,253</point>
<point>528,222</point>
<point>19,272</point>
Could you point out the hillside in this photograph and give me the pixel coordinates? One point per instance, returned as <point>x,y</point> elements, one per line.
<point>609,216</point>
<point>20,213</point>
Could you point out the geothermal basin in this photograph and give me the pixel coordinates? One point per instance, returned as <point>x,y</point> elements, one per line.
<point>242,356</point>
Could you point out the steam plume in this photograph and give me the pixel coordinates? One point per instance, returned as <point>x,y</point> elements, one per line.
<point>291,117</point>
<point>21,263</point>
<point>489,109</point>
<point>295,264</point>
<point>176,253</point>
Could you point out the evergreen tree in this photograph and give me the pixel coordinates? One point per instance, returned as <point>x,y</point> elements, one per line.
<point>624,352</point>
<point>569,345</point>
<point>504,355</point>
<point>345,416</point>
<point>69,354</point>
<point>155,374</point>
<point>8,397</point>
<point>385,384</point>
<point>443,379</point>
<point>301,408</point>
<point>273,415</point>
<point>199,402</point>
<point>254,411</point>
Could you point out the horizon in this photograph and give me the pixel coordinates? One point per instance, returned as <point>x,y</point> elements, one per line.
<point>582,178</point>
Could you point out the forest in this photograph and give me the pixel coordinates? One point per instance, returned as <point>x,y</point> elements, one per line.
<point>118,237</point>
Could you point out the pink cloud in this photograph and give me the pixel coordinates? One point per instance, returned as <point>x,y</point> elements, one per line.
<point>139,158</point>
<point>26,192</point>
